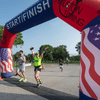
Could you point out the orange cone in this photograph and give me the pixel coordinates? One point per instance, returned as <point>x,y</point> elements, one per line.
<point>0,78</point>
<point>43,67</point>
<point>50,64</point>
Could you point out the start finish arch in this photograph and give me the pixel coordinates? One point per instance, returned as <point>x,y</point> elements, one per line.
<point>83,15</point>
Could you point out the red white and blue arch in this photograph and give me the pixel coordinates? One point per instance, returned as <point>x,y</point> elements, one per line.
<point>83,15</point>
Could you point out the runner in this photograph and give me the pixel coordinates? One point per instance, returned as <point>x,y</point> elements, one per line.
<point>61,64</point>
<point>37,66</point>
<point>21,67</point>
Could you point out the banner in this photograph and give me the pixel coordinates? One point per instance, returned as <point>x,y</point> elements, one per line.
<point>36,14</point>
<point>78,13</point>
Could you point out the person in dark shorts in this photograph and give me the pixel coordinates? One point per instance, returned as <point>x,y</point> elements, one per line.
<point>61,64</point>
<point>37,66</point>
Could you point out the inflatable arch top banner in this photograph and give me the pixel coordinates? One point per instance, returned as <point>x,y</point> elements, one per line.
<point>77,13</point>
<point>83,15</point>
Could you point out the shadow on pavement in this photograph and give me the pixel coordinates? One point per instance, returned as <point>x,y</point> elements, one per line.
<point>45,92</point>
<point>14,96</point>
<point>5,83</point>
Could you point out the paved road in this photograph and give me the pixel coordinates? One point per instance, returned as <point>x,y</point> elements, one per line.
<point>56,85</point>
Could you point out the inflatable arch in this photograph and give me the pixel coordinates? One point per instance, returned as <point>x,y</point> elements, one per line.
<point>83,15</point>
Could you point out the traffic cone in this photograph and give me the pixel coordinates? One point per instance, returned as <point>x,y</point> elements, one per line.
<point>67,63</point>
<point>0,78</point>
<point>43,67</point>
<point>50,64</point>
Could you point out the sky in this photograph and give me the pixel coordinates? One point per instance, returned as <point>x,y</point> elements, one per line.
<point>54,32</point>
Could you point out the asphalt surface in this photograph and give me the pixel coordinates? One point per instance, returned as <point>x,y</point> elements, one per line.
<point>56,85</point>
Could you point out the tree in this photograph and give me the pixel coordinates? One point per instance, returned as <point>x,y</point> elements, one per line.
<point>75,58</point>
<point>18,40</point>
<point>78,47</point>
<point>48,53</point>
<point>29,57</point>
<point>15,56</point>
<point>60,52</point>
<point>1,31</point>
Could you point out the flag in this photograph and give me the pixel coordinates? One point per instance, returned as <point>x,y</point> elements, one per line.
<point>90,62</point>
<point>6,62</point>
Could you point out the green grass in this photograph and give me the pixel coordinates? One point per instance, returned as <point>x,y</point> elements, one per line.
<point>70,62</point>
<point>73,62</point>
<point>15,65</point>
<point>42,64</point>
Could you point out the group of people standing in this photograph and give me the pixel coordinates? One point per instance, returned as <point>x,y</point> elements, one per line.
<point>37,66</point>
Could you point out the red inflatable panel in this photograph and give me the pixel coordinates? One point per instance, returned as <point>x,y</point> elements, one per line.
<point>7,39</point>
<point>76,14</point>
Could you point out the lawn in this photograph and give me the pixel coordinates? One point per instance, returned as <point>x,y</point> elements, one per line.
<point>70,62</point>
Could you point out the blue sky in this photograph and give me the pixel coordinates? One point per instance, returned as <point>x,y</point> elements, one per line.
<point>54,32</point>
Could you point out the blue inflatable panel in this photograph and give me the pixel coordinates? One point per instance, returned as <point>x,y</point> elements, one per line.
<point>6,75</point>
<point>36,14</point>
<point>94,22</point>
<point>84,97</point>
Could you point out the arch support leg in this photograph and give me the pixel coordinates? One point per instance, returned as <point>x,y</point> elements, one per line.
<point>90,64</point>
<point>6,62</point>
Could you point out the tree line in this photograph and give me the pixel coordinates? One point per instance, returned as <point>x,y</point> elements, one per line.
<point>51,54</point>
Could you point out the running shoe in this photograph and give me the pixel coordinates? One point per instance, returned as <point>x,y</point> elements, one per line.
<point>24,80</point>
<point>38,85</point>
<point>41,83</point>
<point>20,79</point>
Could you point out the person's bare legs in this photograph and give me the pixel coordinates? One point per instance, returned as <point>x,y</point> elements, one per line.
<point>19,74</point>
<point>37,77</point>
<point>37,73</point>
<point>24,75</point>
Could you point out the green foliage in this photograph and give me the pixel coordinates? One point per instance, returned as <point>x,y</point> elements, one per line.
<point>15,56</point>
<point>60,53</point>
<point>54,54</point>
<point>51,55</point>
<point>18,40</point>
<point>78,47</point>
<point>29,57</point>
<point>1,31</point>
<point>74,62</point>
<point>75,58</point>
<point>48,53</point>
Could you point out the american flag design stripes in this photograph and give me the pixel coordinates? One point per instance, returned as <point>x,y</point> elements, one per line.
<point>6,61</point>
<point>90,62</point>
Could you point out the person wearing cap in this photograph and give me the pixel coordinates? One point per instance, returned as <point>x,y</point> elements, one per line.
<point>21,67</point>
<point>38,66</point>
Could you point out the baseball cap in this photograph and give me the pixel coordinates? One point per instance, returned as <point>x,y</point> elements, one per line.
<point>37,53</point>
